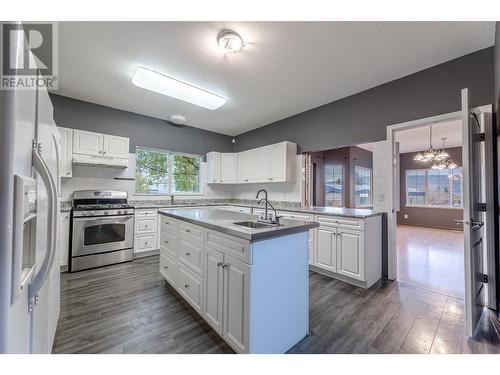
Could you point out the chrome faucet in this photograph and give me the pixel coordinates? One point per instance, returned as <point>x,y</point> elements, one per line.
<point>172,198</point>
<point>266,218</point>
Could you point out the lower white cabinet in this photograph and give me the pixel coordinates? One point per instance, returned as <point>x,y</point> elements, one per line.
<point>168,268</point>
<point>214,287</point>
<point>190,286</point>
<point>349,249</point>
<point>64,219</point>
<point>145,230</point>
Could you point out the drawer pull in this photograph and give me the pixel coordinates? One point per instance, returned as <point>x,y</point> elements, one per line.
<point>188,254</point>
<point>145,243</point>
<point>165,267</point>
<point>188,230</point>
<point>166,241</point>
<point>219,264</point>
<point>186,286</point>
<point>224,266</point>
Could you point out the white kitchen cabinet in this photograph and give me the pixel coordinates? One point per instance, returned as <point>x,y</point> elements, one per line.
<point>64,219</point>
<point>100,145</point>
<point>213,167</point>
<point>326,252</point>
<point>236,304</point>
<point>229,168</point>
<point>87,143</point>
<point>145,230</point>
<point>114,146</point>
<point>243,166</point>
<point>350,253</point>
<point>349,249</point>
<point>214,278</point>
<point>66,166</point>
<point>168,269</point>
<point>263,163</point>
<point>190,286</point>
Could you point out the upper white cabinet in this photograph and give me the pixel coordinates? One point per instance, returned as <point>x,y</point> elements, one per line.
<point>114,146</point>
<point>222,167</point>
<point>97,144</point>
<point>87,143</point>
<point>66,167</point>
<point>273,163</point>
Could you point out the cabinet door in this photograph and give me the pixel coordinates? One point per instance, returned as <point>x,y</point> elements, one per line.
<point>63,238</point>
<point>168,269</point>
<point>115,147</point>
<point>263,164</point>
<point>350,253</point>
<point>214,167</point>
<point>278,162</point>
<point>66,152</point>
<point>236,303</point>
<point>326,249</point>
<point>229,168</point>
<point>87,143</point>
<point>243,170</point>
<point>214,286</point>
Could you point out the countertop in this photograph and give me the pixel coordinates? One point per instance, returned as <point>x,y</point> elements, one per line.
<point>319,210</point>
<point>223,221</point>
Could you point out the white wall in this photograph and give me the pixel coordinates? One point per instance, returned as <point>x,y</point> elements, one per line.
<point>94,178</point>
<point>277,191</point>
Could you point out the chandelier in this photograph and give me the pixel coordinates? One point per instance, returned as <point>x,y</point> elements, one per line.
<point>439,157</point>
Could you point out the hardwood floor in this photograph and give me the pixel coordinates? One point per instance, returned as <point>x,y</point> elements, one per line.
<point>432,259</point>
<point>129,308</point>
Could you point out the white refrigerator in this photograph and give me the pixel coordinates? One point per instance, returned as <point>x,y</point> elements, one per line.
<point>29,206</point>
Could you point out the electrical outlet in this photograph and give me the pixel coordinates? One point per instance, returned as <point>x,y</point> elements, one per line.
<point>406,216</point>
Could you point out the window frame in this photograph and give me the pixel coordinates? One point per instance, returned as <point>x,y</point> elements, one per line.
<point>170,171</point>
<point>449,206</point>
<point>371,187</point>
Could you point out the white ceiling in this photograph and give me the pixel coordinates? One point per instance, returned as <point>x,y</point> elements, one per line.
<point>286,67</point>
<point>417,139</point>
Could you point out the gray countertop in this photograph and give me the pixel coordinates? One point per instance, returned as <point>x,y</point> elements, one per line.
<point>223,221</point>
<point>319,210</point>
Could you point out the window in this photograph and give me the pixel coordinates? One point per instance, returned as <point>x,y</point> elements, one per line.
<point>434,188</point>
<point>164,172</point>
<point>362,186</point>
<point>334,185</point>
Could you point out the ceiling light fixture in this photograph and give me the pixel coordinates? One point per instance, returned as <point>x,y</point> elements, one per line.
<point>440,158</point>
<point>230,41</point>
<point>162,84</point>
<point>178,119</point>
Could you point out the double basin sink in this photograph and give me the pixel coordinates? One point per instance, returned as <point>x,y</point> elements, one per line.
<point>255,224</point>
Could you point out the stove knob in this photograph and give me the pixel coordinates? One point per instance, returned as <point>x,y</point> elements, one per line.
<point>106,212</point>
<point>119,212</point>
<point>89,213</point>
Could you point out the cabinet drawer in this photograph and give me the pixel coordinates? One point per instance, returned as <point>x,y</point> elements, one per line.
<point>191,233</point>
<point>191,255</point>
<point>145,212</point>
<point>168,269</point>
<point>145,225</point>
<point>341,222</point>
<point>168,243</point>
<point>190,286</point>
<point>169,224</point>
<point>145,242</point>
<point>230,245</point>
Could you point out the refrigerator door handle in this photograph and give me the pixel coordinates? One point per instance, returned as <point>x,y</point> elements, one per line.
<point>57,146</point>
<point>44,172</point>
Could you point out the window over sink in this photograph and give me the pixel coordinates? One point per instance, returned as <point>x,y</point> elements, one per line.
<point>161,172</point>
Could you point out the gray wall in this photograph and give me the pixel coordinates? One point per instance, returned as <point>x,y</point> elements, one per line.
<point>363,117</point>
<point>443,218</point>
<point>142,130</point>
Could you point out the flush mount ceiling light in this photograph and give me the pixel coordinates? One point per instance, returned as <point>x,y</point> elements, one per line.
<point>178,119</point>
<point>230,41</point>
<point>162,84</point>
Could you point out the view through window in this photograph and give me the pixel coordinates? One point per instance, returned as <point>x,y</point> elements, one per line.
<point>431,187</point>
<point>334,185</point>
<point>362,186</point>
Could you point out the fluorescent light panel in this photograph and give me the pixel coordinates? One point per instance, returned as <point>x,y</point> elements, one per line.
<point>162,84</point>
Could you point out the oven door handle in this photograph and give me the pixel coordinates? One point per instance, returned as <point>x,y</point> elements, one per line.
<point>107,219</point>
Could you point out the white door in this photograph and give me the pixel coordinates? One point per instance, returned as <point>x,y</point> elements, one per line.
<point>214,284</point>
<point>236,303</point>
<point>229,168</point>
<point>350,253</point>
<point>278,162</point>
<point>66,152</point>
<point>87,143</point>
<point>326,249</point>
<point>473,218</point>
<point>115,147</point>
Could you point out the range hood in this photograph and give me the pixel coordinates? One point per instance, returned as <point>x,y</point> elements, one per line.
<point>99,161</point>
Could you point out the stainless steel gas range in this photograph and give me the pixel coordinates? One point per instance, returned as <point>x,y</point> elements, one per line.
<point>102,227</point>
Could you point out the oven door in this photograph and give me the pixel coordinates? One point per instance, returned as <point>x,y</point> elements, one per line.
<point>92,235</point>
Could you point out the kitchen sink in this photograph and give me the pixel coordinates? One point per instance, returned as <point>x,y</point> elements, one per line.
<point>253,224</point>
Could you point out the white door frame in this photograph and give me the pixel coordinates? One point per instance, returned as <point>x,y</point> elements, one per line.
<point>394,194</point>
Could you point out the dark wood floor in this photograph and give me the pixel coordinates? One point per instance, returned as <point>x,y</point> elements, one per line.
<point>129,308</point>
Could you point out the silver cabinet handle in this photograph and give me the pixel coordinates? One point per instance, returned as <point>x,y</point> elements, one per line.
<point>166,241</point>
<point>165,267</point>
<point>188,254</point>
<point>224,266</point>
<point>219,264</point>
<point>188,230</point>
<point>186,286</point>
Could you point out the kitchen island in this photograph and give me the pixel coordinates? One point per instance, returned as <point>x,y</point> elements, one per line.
<point>250,284</point>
